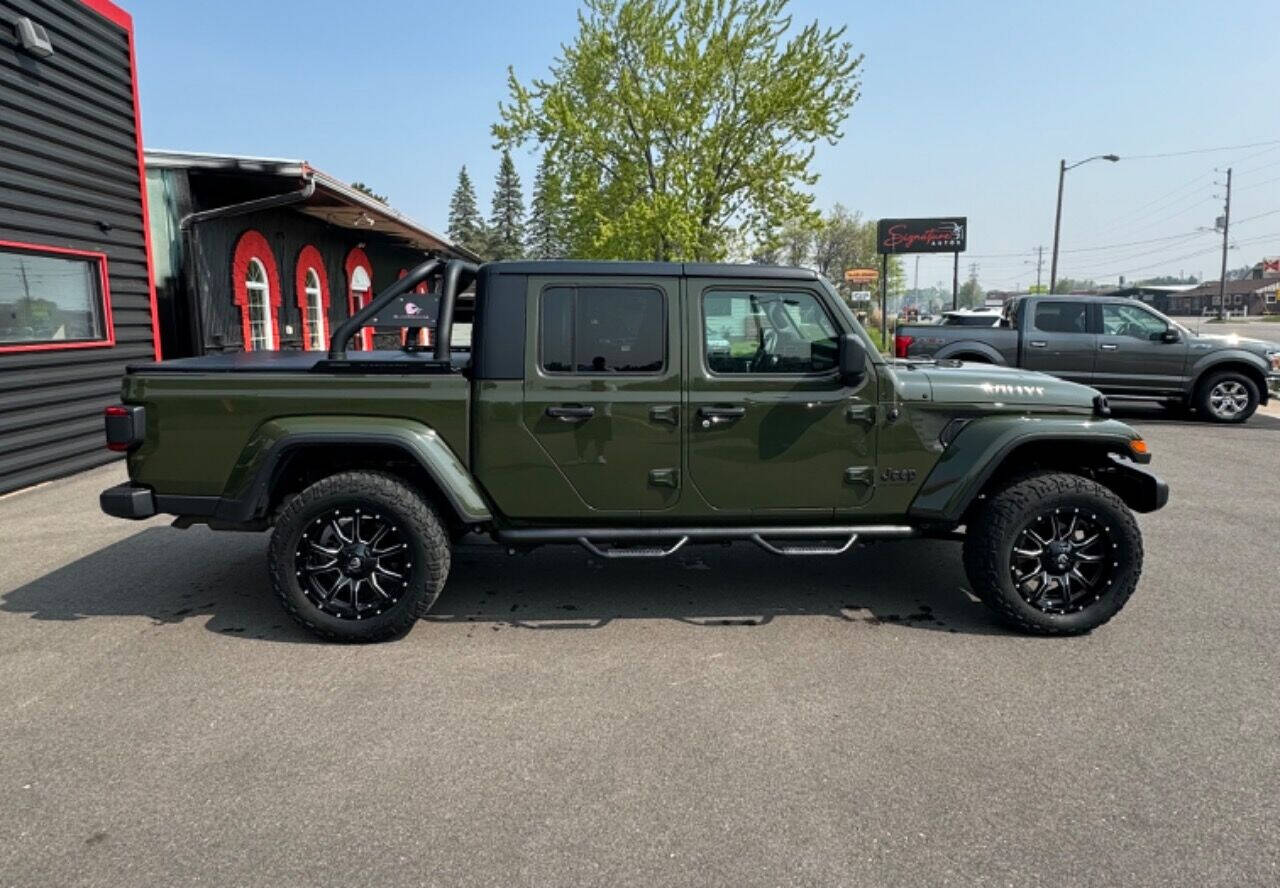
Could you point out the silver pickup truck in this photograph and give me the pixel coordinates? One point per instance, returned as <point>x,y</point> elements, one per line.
<point>1121,347</point>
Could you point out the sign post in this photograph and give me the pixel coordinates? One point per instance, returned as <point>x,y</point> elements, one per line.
<point>942,234</point>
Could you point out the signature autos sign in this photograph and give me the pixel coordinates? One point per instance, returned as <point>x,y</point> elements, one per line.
<point>944,235</point>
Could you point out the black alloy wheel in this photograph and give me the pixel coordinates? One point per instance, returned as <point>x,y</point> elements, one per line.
<point>1062,560</point>
<point>353,563</point>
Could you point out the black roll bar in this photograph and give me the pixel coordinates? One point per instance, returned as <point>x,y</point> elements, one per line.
<point>342,335</point>
<point>458,275</point>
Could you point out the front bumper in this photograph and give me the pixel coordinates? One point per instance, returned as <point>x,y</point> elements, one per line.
<point>1141,490</point>
<point>128,500</point>
<point>1273,384</point>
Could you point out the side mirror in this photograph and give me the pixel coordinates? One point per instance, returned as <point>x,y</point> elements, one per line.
<point>1170,336</point>
<point>853,359</point>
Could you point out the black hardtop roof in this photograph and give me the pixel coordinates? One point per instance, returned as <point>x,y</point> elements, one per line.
<point>649,269</point>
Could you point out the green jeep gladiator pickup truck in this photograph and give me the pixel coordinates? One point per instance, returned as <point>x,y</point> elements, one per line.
<point>631,409</point>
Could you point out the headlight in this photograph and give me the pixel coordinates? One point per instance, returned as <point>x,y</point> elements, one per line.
<point>1274,358</point>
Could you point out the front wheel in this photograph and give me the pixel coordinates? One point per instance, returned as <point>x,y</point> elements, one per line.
<point>358,557</point>
<point>1228,397</point>
<point>1054,554</point>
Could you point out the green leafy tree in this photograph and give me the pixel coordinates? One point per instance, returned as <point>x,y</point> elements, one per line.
<point>683,126</point>
<point>466,228</point>
<point>1070,285</point>
<point>365,189</point>
<point>971,294</point>
<point>506,219</point>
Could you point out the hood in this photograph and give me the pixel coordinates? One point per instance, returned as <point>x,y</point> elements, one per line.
<point>955,382</point>
<point>1259,347</point>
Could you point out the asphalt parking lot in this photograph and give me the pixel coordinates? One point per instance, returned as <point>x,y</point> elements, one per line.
<point>723,718</point>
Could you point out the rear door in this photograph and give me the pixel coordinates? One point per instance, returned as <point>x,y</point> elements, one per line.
<point>602,392</point>
<point>1058,337</point>
<point>771,426</point>
<point>1133,356</point>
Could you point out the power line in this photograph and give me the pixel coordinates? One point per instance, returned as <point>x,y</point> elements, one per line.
<point>1198,151</point>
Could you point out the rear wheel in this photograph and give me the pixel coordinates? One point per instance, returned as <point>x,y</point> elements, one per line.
<point>1227,397</point>
<point>1054,554</point>
<point>358,556</point>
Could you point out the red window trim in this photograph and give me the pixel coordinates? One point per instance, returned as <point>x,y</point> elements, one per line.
<point>124,21</point>
<point>358,258</point>
<point>308,258</point>
<point>252,245</point>
<point>104,285</point>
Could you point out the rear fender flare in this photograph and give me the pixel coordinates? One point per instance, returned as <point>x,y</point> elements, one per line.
<point>971,347</point>
<point>249,487</point>
<point>974,456</point>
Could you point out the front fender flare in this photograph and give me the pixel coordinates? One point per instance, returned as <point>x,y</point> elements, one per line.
<point>973,456</point>
<point>249,486</point>
<point>1210,362</point>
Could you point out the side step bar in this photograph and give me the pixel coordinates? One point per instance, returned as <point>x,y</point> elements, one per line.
<point>630,542</point>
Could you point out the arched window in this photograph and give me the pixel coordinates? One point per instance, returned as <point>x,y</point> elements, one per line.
<point>359,292</point>
<point>255,284</point>
<point>313,299</point>
<point>261,333</point>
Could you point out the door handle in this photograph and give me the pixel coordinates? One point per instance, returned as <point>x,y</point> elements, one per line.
<point>1038,343</point>
<point>571,414</point>
<point>1108,346</point>
<point>668,413</point>
<point>720,415</point>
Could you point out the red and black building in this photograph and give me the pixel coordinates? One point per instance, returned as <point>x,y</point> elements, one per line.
<point>256,254</point>
<point>76,300</point>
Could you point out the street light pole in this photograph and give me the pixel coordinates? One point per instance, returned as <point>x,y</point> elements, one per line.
<point>1057,219</point>
<point>1057,226</point>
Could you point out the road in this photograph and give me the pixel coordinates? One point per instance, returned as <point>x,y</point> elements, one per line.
<point>723,718</point>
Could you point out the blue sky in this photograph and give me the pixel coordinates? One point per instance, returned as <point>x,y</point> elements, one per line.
<point>966,109</point>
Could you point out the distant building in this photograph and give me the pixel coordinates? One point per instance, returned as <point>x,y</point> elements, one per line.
<point>256,254</point>
<point>1252,296</point>
<point>1161,297</point>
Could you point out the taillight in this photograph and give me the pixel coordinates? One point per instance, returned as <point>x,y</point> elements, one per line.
<point>901,343</point>
<point>125,427</point>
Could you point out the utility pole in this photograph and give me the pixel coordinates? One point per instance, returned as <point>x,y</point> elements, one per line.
<point>1039,265</point>
<point>1226,227</point>
<point>1057,218</point>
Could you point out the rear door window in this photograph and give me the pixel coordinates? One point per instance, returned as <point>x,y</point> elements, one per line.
<point>1062,317</point>
<point>602,330</point>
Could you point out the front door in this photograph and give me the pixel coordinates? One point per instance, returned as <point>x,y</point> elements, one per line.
<point>1133,356</point>
<point>1059,339</point>
<point>771,426</point>
<point>602,393</point>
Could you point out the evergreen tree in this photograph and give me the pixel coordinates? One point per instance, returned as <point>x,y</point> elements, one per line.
<point>548,215</point>
<point>466,228</point>
<point>506,221</point>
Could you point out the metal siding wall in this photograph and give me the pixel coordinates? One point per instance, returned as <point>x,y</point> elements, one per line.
<point>68,166</point>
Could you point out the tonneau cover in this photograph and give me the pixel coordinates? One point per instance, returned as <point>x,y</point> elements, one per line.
<point>306,362</point>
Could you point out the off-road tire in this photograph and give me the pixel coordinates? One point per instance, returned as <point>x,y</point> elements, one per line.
<point>425,533</point>
<point>994,526</point>
<point>1204,392</point>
